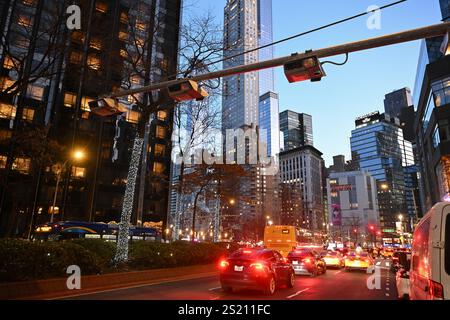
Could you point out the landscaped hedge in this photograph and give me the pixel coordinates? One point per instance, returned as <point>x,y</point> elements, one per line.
<point>22,260</point>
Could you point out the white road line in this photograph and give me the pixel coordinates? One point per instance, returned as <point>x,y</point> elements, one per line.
<point>338,272</point>
<point>216,298</point>
<point>388,289</point>
<point>214,289</point>
<point>297,294</point>
<point>387,294</point>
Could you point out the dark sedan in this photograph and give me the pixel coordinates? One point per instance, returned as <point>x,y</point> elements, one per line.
<point>259,269</point>
<point>307,262</point>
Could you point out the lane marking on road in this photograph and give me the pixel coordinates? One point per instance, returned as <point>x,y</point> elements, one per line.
<point>338,272</point>
<point>388,289</point>
<point>379,263</point>
<point>214,289</point>
<point>216,298</point>
<point>387,294</point>
<point>298,293</point>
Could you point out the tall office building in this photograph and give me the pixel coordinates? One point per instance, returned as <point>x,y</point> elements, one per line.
<point>86,64</point>
<point>397,100</point>
<point>240,103</point>
<point>250,98</point>
<point>301,168</point>
<point>432,129</point>
<point>297,129</point>
<point>378,147</point>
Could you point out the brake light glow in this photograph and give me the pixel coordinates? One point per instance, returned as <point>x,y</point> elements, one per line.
<point>257,266</point>
<point>307,261</point>
<point>224,264</point>
<point>247,251</point>
<point>436,290</point>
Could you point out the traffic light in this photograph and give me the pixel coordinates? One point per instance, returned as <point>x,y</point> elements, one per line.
<point>372,228</point>
<point>107,107</point>
<point>186,91</point>
<point>304,69</point>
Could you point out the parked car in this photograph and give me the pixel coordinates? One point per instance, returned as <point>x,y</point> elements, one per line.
<point>260,269</point>
<point>430,261</point>
<point>403,283</point>
<point>307,262</point>
<point>400,260</point>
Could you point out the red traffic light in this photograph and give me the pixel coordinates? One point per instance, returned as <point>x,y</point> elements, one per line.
<point>304,69</point>
<point>372,228</point>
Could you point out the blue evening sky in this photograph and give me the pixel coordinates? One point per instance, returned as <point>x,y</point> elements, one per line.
<point>358,87</point>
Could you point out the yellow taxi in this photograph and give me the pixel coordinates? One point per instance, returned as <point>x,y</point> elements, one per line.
<point>334,259</point>
<point>358,261</point>
<point>387,253</point>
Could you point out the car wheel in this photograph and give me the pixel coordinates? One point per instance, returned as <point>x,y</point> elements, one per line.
<point>314,273</point>
<point>270,287</point>
<point>291,280</point>
<point>324,269</point>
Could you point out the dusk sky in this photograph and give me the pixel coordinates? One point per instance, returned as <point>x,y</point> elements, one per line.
<point>358,87</point>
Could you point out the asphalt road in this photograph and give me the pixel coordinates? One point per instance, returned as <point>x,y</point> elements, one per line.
<point>334,285</point>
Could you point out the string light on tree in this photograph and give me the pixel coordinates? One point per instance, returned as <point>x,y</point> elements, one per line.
<point>127,208</point>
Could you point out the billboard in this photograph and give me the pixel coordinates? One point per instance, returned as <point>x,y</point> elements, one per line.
<point>336,215</point>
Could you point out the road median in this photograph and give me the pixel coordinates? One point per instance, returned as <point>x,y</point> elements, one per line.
<point>57,288</point>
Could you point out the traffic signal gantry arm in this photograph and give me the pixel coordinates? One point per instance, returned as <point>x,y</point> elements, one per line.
<point>391,39</point>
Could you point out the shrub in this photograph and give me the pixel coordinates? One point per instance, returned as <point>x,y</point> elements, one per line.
<point>103,251</point>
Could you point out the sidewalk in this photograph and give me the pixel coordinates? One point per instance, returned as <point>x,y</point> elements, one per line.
<point>56,288</point>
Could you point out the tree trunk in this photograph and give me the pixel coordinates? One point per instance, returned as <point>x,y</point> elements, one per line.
<point>128,201</point>
<point>194,214</point>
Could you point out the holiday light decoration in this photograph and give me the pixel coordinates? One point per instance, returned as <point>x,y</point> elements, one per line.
<point>127,208</point>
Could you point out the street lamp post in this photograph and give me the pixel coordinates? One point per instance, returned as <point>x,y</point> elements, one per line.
<point>77,155</point>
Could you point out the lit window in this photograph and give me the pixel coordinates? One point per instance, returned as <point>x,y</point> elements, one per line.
<point>133,116</point>
<point>101,7</point>
<point>123,17</point>
<point>160,150</point>
<point>7,111</point>
<point>3,160</point>
<point>8,63</point>
<point>123,53</point>
<point>35,92</point>
<point>78,172</point>
<point>158,168</point>
<point>93,62</point>
<point>22,165</point>
<point>24,21</point>
<point>6,83</point>
<point>96,44</point>
<point>160,132</point>
<point>29,2</point>
<point>135,79</point>
<point>69,100</point>
<point>78,37</point>
<point>140,25</point>
<point>55,211</point>
<point>85,103</point>
<point>76,57</point>
<point>28,114</point>
<point>123,36</point>
<point>162,115</point>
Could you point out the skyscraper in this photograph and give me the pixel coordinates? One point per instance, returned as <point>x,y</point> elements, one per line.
<point>378,147</point>
<point>297,129</point>
<point>90,62</point>
<point>397,100</point>
<point>250,98</point>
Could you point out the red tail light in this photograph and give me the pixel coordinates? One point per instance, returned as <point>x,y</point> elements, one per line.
<point>436,290</point>
<point>257,266</point>
<point>307,261</point>
<point>224,264</point>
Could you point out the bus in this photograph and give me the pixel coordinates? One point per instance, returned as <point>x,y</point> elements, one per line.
<point>286,238</point>
<point>66,230</point>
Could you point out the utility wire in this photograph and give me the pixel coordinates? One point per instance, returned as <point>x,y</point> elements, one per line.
<point>301,34</point>
<point>336,63</point>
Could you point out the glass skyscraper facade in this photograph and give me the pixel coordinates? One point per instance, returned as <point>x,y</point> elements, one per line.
<point>378,147</point>
<point>297,129</point>
<point>268,106</point>
<point>265,37</point>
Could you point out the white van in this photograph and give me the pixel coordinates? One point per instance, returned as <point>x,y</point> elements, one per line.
<point>430,263</point>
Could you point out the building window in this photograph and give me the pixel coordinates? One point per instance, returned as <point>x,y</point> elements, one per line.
<point>35,92</point>
<point>158,168</point>
<point>123,17</point>
<point>6,83</point>
<point>123,36</point>
<point>8,63</point>
<point>7,111</point>
<point>69,100</point>
<point>76,57</point>
<point>162,115</point>
<point>160,150</point>
<point>78,37</point>
<point>78,172</point>
<point>5,135</point>
<point>28,114</point>
<point>94,62</point>
<point>101,7</point>
<point>22,165</point>
<point>441,92</point>
<point>3,160</point>
<point>29,2</point>
<point>85,103</point>
<point>160,132</point>
<point>133,116</point>
<point>96,43</point>
<point>24,21</point>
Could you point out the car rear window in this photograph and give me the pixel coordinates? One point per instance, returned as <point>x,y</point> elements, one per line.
<point>447,245</point>
<point>300,254</point>
<point>246,254</point>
